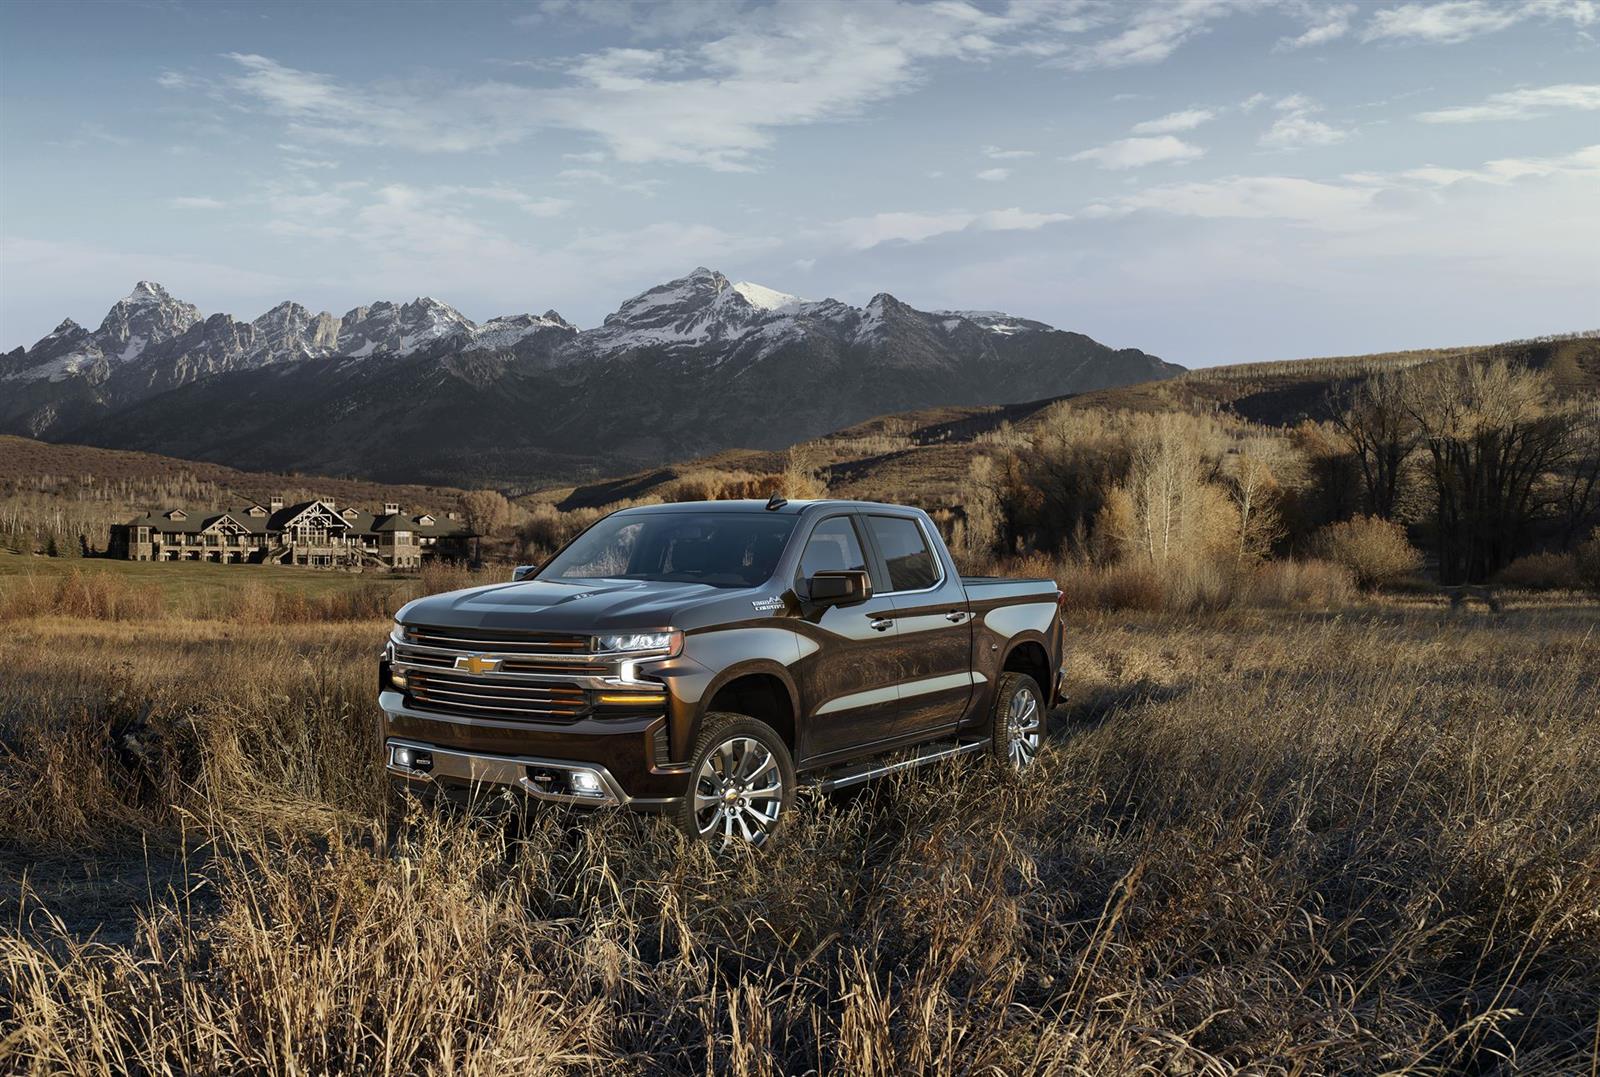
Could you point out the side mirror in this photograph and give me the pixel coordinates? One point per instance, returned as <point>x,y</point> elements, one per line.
<point>522,572</point>
<point>839,588</point>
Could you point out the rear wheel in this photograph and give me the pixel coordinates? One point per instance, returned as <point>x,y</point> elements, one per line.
<point>1017,721</point>
<point>741,783</point>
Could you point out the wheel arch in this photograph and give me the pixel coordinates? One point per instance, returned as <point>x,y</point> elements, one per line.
<point>762,690</point>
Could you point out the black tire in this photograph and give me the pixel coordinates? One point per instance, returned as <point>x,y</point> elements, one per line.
<point>718,806</point>
<point>1015,730</point>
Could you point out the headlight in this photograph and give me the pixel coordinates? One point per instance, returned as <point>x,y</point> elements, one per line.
<point>654,642</point>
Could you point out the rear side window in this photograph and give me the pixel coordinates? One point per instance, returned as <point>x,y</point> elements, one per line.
<point>833,547</point>
<point>905,549</point>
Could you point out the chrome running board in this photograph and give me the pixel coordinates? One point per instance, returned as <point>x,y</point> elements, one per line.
<point>855,774</point>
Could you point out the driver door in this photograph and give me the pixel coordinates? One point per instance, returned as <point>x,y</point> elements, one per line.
<point>849,671</point>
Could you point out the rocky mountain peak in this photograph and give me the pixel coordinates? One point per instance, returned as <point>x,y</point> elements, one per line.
<point>148,315</point>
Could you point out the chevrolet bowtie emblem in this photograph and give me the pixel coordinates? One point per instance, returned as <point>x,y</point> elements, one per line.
<point>477,664</point>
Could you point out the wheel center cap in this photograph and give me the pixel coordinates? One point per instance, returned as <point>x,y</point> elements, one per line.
<point>731,795</point>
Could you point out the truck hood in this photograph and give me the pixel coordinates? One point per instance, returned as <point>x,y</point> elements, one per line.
<point>563,606</point>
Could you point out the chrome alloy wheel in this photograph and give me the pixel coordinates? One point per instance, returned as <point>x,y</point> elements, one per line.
<point>738,792</point>
<point>1024,725</point>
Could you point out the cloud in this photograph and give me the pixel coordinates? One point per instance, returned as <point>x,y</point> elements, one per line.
<point>994,175</point>
<point>1328,24</point>
<point>1139,152</point>
<point>1152,32</point>
<point>715,102</point>
<point>1521,104</point>
<point>1186,120</point>
<point>1296,128</point>
<point>1506,170</point>
<point>997,154</point>
<point>1357,201</point>
<point>1458,20</point>
<point>195,202</point>
<point>646,187</point>
<point>1303,201</point>
<point>863,233</point>
<point>1251,103</point>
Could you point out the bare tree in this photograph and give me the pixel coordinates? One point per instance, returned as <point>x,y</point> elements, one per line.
<point>1383,433</point>
<point>1253,488</point>
<point>1494,435</point>
<point>485,511</point>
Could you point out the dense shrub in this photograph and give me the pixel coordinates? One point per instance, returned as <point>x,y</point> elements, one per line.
<point>1375,551</point>
<point>1588,562</point>
<point>1541,572</point>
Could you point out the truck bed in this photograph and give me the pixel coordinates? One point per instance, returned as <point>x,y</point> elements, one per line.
<point>991,588</point>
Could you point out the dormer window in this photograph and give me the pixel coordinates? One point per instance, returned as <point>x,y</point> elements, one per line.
<point>425,520</point>
<point>177,514</point>
<point>348,514</point>
<point>255,510</point>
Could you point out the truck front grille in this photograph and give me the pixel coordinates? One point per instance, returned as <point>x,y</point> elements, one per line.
<point>538,676</point>
<point>485,697</point>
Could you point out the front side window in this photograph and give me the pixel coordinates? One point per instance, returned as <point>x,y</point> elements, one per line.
<point>722,549</point>
<point>832,547</point>
<point>905,551</point>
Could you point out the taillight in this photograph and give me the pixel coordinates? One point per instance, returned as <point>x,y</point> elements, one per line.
<point>1061,601</point>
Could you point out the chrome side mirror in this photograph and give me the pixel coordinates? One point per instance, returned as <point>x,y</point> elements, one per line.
<point>522,572</point>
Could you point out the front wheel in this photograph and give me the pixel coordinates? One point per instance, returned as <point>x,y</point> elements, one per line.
<point>1017,721</point>
<point>741,783</point>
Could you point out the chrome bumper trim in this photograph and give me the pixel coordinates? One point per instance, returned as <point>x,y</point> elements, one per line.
<point>477,768</point>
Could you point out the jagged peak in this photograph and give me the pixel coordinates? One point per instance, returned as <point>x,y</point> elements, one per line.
<point>764,298</point>
<point>148,291</point>
<point>67,325</point>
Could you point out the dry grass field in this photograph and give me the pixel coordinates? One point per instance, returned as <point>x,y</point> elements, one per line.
<point>1353,841</point>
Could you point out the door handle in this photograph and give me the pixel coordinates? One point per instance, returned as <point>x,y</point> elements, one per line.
<point>881,624</point>
<point>956,615</point>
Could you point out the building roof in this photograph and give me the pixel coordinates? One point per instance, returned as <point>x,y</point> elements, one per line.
<point>357,521</point>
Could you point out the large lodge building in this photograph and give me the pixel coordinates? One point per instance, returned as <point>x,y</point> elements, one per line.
<point>315,533</point>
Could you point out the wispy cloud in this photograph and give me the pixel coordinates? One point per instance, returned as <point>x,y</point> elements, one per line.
<point>1583,162</point>
<point>863,233</point>
<point>1521,104</point>
<point>1139,152</point>
<point>1151,32</point>
<point>714,102</point>
<point>195,202</point>
<point>1327,24</point>
<point>1186,120</point>
<point>994,175</point>
<point>1452,21</point>
<point>995,153</point>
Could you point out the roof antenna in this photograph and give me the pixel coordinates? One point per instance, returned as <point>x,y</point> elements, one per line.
<point>776,501</point>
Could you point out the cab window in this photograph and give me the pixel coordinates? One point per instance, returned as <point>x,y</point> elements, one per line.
<point>832,547</point>
<point>905,553</point>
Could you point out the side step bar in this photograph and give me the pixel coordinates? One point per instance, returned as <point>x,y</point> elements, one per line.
<point>856,773</point>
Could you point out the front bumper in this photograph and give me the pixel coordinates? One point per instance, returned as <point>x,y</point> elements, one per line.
<point>545,779</point>
<point>627,756</point>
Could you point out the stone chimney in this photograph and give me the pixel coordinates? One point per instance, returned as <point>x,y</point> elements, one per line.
<point>390,508</point>
<point>276,503</point>
<point>452,516</point>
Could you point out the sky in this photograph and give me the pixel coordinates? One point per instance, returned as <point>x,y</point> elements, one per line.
<point>1213,181</point>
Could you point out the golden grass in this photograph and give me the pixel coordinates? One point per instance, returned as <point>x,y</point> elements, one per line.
<point>1359,841</point>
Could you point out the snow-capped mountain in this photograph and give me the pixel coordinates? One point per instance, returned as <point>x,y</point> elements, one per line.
<point>419,391</point>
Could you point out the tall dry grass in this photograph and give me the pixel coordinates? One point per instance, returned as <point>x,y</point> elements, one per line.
<point>1264,843</point>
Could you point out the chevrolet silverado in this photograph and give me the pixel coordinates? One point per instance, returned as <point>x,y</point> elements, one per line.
<point>703,659</point>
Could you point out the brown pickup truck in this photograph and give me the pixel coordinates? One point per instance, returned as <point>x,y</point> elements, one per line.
<point>703,659</point>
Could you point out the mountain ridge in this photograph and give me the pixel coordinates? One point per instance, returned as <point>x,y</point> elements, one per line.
<point>418,391</point>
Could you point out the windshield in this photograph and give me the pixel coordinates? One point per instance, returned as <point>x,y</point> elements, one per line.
<point>723,549</point>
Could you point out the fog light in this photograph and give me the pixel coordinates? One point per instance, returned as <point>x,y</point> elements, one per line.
<point>397,677</point>
<point>586,783</point>
<point>403,758</point>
